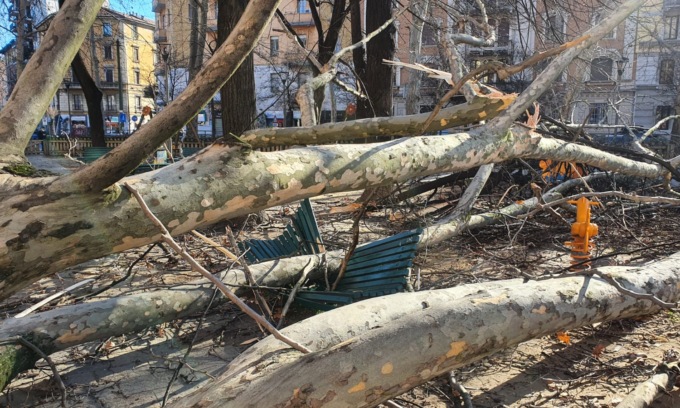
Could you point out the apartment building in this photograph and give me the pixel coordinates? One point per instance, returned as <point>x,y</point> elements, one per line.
<point>119,53</point>
<point>172,36</point>
<point>657,51</point>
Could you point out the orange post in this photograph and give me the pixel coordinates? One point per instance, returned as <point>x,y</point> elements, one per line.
<point>582,231</point>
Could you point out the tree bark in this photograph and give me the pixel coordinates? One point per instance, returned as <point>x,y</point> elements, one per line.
<point>48,229</point>
<point>238,94</point>
<point>93,321</point>
<point>93,98</point>
<point>368,352</point>
<point>378,78</point>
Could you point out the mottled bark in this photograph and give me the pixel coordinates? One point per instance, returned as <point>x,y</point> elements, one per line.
<point>30,98</point>
<point>68,326</point>
<point>368,352</point>
<point>238,94</point>
<point>479,109</point>
<point>47,229</point>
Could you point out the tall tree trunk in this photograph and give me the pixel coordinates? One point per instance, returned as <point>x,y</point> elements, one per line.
<point>419,11</point>
<point>358,55</point>
<point>378,79</point>
<point>238,94</point>
<point>93,98</point>
<point>199,19</point>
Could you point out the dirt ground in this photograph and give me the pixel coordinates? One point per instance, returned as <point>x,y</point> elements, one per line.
<point>597,367</point>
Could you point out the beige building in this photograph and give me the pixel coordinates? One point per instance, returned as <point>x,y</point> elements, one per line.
<point>119,53</point>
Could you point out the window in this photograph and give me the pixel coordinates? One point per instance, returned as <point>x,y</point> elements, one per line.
<point>598,114</point>
<point>77,102</point>
<point>672,27</point>
<point>138,102</point>
<point>273,46</point>
<point>554,28</point>
<point>135,33</point>
<point>107,30</point>
<point>108,75</point>
<point>303,39</point>
<point>275,83</point>
<point>303,7</point>
<point>110,102</point>
<point>601,69</point>
<point>666,71</point>
<point>135,54</point>
<point>503,32</point>
<point>108,52</point>
<point>596,19</point>
<point>137,78</point>
<point>664,112</point>
<point>429,35</point>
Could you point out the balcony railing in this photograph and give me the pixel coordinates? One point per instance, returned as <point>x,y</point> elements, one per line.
<point>109,84</point>
<point>160,35</point>
<point>300,19</point>
<point>157,5</point>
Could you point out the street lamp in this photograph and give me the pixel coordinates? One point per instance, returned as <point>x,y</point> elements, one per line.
<point>165,55</point>
<point>67,85</point>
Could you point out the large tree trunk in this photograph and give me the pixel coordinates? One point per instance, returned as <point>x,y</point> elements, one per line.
<point>368,352</point>
<point>92,321</point>
<point>48,229</point>
<point>93,98</point>
<point>238,95</point>
<point>378,77</point>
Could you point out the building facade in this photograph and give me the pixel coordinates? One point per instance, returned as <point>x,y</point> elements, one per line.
<point>119,53</point>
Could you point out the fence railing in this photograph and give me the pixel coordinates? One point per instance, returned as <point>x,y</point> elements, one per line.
<point>76,147</point>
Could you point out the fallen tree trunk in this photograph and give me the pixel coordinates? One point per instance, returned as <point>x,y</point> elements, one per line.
<point>68,326</point>
<point>368,352</point>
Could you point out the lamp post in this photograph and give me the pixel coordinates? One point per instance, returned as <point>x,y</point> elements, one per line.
<point>165,55</point>
<point>67,85</point>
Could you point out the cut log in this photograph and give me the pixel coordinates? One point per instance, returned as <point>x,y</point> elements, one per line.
<point>644,394</point>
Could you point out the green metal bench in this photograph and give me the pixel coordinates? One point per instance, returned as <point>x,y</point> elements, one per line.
<point>188,151</point>
<point>91,154</point>
<point>376,269</point>
<point>301,237</point>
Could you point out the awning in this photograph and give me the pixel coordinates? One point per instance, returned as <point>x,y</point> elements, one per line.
<point>79,118</point>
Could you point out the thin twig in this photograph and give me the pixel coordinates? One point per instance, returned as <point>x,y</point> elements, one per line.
<point>298,285</point>
<point>167,238</point>
<point>217,246</point>
<point>458,388</point>
<point>261,302</point>
<point>355,240</point>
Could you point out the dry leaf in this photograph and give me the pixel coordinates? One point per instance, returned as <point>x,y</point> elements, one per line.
<point>563,337</point>
<point>250,341</point>
<point>597,350</point>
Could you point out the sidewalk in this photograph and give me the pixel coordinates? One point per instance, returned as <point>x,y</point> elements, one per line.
<point>54,164</point>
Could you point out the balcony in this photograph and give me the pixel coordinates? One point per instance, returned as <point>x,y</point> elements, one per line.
<point>300,19</point>
<point>109,85</point>
<point>160,35</point>
<point>157,5</point>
